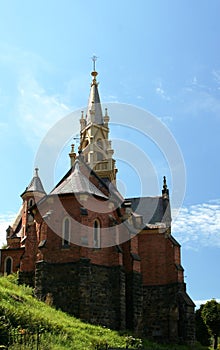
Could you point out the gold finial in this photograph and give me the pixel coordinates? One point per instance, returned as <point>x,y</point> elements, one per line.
<point>94,73</point>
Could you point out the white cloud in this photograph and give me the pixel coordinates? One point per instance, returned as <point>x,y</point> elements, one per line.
<point>202,302</point>
<point>6,219</point>
<point>216,75</point>
<point>198,96</point>
<point>38,111</point>
<point>166,119</point>
<point>161,92</point>
<point>198,225</point>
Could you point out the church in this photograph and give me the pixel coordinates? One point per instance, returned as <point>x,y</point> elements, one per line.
<point>89,251</point>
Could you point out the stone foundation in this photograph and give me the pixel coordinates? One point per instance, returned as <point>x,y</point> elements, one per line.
<point>110,297</point>
<point>93,293</point>
<point>168,314</point>
<point>134,302</point>
<point>27,278</point>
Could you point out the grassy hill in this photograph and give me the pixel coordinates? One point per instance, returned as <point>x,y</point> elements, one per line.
<point>25,319</point>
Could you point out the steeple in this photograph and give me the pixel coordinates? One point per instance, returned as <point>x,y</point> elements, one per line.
<point>95,145</point>
<point>94,110</point>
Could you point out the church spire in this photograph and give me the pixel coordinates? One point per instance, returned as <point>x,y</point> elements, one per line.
<point>94,109</point>
<point>95,145</point>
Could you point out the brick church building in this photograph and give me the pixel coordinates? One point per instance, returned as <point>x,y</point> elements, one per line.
<point>103,258</point>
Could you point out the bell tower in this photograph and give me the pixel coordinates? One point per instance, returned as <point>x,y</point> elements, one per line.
<point>95,145</point>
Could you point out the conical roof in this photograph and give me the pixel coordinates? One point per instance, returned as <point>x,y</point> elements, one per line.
<point>35,184</point>
<point>94,109</point>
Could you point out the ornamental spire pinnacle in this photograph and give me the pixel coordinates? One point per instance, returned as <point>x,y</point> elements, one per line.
<point>165,191</point>
<point>94,59</point>
<point>94,73</point>
<point>94,109</point>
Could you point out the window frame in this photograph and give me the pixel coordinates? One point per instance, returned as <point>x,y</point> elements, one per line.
<point>66,233</point>
<point>96,234</point>
<point>8,258</point>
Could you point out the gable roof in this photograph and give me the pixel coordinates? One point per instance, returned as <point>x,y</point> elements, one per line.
<point>152,209</point>
<point>76,182</point>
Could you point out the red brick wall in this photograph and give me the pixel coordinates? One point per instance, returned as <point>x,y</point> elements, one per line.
<point>159,256</point>
<point>15,254</point>
<point>69,206</point>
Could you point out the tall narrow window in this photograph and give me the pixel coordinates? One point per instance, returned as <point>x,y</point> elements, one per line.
<point>8,265</point>
<point>66,232</point>
<point>96,234</point>
<point>100,147</point>
<point>30,202</point>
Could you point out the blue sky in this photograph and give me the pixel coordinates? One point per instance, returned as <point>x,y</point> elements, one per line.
<point>161,56</point>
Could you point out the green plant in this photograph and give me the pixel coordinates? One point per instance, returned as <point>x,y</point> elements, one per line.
<point>211,316</point>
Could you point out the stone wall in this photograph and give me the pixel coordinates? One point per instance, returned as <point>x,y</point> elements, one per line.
<point>110,297</point>
<point>26,278</point>
<point>168,314</point>
<point>93,293</point>
<point>134,302</point>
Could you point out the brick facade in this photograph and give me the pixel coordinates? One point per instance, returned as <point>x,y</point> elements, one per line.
<point>90,252</point>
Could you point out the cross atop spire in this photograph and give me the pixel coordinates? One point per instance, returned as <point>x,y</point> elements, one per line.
<point>94,59</point>
<point>94,73</point>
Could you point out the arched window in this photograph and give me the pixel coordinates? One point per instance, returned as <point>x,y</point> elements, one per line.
<point>66,232</point>
<point>30,202</point>
<point>8,265</point>
<point>100,156</point>
<point>96,234</point>
<point>99,143</point>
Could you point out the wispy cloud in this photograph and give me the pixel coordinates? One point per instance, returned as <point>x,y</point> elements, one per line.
<point>167,119</point>
<point>6,219</point>
<point>202,302</point>
<point>161,92</point>
<point>200,96</point>
<point>198,225</point>
<point>38,111</point>
<point>216,76</point>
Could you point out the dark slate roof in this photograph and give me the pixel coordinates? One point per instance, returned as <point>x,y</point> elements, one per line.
<point>151,209</point>
<point>113,191</point>
<point>94,110</point>
<point>35,184</point>
<point>76,182</point>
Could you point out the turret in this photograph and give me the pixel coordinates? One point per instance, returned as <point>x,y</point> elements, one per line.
<point>32,194</point>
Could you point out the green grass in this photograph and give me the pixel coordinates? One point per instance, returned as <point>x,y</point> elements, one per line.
<point>20,311</point>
